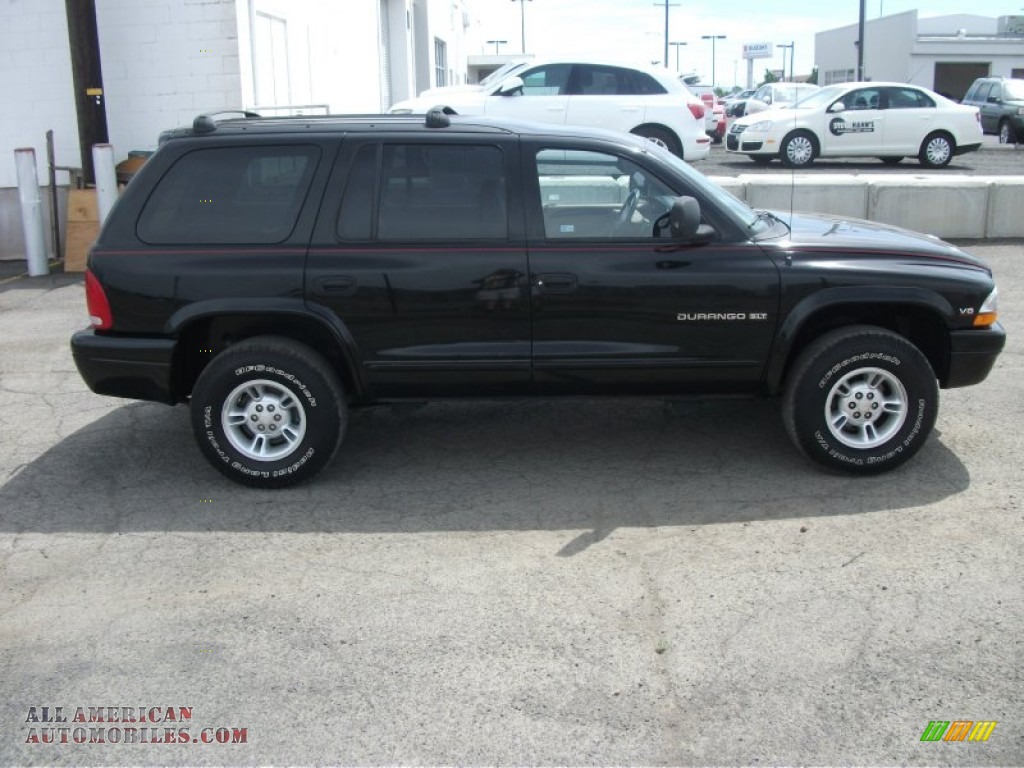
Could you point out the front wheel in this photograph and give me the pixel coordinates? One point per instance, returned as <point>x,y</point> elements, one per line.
<point>798,150</point>
<point>861,400</point>
<point>268,412</point>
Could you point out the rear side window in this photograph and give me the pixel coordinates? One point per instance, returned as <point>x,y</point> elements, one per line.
<point>242,195</point>
<point>908,98</point>
<point>442,192</point>
<point>591,80</point>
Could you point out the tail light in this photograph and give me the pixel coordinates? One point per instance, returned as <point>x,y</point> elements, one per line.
<point>697,110</point>
<point>96,301</point>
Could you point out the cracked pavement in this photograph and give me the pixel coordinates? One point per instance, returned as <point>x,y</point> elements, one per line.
<point>584,582</point>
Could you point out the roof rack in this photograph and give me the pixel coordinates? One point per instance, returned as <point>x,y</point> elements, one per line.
<point>205,123</point>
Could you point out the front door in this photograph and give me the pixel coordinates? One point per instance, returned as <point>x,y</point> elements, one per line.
<point>857,130</point>
<point>618,309</point>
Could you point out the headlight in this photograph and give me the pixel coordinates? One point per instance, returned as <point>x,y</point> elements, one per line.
<point>761,127</point>
<point>989,310</point>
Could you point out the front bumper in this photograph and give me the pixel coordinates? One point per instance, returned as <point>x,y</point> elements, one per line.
<point>120,366</point>
<point>749,144</point>
<point>972,354</point>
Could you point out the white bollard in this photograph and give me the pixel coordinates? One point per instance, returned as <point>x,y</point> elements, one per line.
<point>31,212</point>
<point>106,178</point>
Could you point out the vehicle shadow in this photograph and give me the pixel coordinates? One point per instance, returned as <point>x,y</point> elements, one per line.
<point>905,168</point>
<point>479,466</point>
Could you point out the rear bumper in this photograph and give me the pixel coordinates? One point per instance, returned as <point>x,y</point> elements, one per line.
<point>972,355</point>
<point>139,368</point>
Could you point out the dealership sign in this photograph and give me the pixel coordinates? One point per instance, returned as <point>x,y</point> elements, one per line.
<point>757,50</point>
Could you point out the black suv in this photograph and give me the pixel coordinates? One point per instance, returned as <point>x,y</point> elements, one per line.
<point>274,273</point>
<point>1001,103</point>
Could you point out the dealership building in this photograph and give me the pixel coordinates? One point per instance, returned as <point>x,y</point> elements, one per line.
<point>943,53</point>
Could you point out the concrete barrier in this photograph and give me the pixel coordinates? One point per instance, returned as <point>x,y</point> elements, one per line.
<point>1005,212</point>
<point>946,205</point>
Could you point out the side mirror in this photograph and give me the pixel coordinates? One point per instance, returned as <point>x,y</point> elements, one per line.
<point>684,221</point>
<point>837,107</point>
<point>510,87</point>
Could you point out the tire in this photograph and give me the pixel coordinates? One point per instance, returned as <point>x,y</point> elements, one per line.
<point>891,160</point>
<point>844,369</point>
<point>277,384</point>
<point>937,150</point>
<point>798,150</point>
<point>662,137</point>
<point>1006,133</point>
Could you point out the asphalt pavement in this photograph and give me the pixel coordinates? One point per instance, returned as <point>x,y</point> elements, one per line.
<point>584,582</point>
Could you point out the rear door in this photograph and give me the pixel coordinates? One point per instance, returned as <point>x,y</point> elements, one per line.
<point>910,115</point>
<point>617,309</point>
<point>418,257</point>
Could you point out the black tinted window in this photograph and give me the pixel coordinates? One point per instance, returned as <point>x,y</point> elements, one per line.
<point>355,218</point>
<point>983,91</point>
<point>441,192</point>
<point>229,195</point>
<point>612,81</point>
<point>908,98</point>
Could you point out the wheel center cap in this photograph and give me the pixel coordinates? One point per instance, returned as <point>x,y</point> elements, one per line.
<point>862,405</point>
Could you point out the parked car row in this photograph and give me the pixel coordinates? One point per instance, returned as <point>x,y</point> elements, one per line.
<point>889,121</point>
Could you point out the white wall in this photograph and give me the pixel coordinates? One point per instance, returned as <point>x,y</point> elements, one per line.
<point>38,91</point>
<point>887,43</point>
<point>164,62</point>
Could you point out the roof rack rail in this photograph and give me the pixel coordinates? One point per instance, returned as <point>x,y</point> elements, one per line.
<point>437,117</point>
<point>205,122</point>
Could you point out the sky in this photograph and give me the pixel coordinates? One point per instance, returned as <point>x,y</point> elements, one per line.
<point>633,31</point>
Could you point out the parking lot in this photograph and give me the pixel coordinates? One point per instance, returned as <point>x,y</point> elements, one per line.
<point>582,582</point>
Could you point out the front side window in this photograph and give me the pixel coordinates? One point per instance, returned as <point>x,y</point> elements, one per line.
<point>863,98</point>
<point>546,81</point>
<point>983,91</point>
<point>240,195</point>
<point>441,192</point>
<point>592,195</point>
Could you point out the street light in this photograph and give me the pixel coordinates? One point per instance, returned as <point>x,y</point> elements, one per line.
<point>712,38</point>
<point>496,43</point>
<point>792,53</point>
<point>522,19</point>
<point>677,47</point>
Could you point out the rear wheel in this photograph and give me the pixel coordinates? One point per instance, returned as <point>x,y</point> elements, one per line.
<point>798,150</point>
<point>662,137</point>
<point>860,399</point>
<point>937,150</point>
<point>1006,133</point>
<point>268,412</point>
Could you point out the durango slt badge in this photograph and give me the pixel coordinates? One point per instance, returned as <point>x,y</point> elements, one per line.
<point>721,316</point>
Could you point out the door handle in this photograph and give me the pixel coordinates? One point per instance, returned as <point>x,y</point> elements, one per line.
<point>336,285</point>
<point>556,282</point>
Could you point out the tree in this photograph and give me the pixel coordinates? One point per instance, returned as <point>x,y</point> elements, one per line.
<point>769,77</point>
<point>814,76</point>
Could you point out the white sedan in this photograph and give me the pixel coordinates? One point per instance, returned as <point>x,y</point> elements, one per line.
<point>646,102</point>
<point>889,121</point>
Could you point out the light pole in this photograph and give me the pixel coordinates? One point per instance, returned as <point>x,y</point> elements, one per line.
<point>666,4</point>
<point>677,47</point>
<point>712,38</point>
<point>496,43</point>
<point>784,46</point>
<point>522,19</point>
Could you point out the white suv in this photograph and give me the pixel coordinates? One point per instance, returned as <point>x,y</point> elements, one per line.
<point>647,102</point>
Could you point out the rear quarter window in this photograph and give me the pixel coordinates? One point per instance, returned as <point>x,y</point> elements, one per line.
<point>246,195</point>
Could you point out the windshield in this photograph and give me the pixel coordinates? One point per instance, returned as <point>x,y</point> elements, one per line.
<point>820,98</point>
<point>726,200</point>
<point>789,93</point>
<point>501,72</point>
<point>1015,89</point>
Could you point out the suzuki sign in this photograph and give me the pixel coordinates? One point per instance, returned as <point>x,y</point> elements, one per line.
<point>757,51</point>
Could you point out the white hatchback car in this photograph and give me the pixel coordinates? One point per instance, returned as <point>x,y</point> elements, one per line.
<point>647,102</point>
<point>889,121</point>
